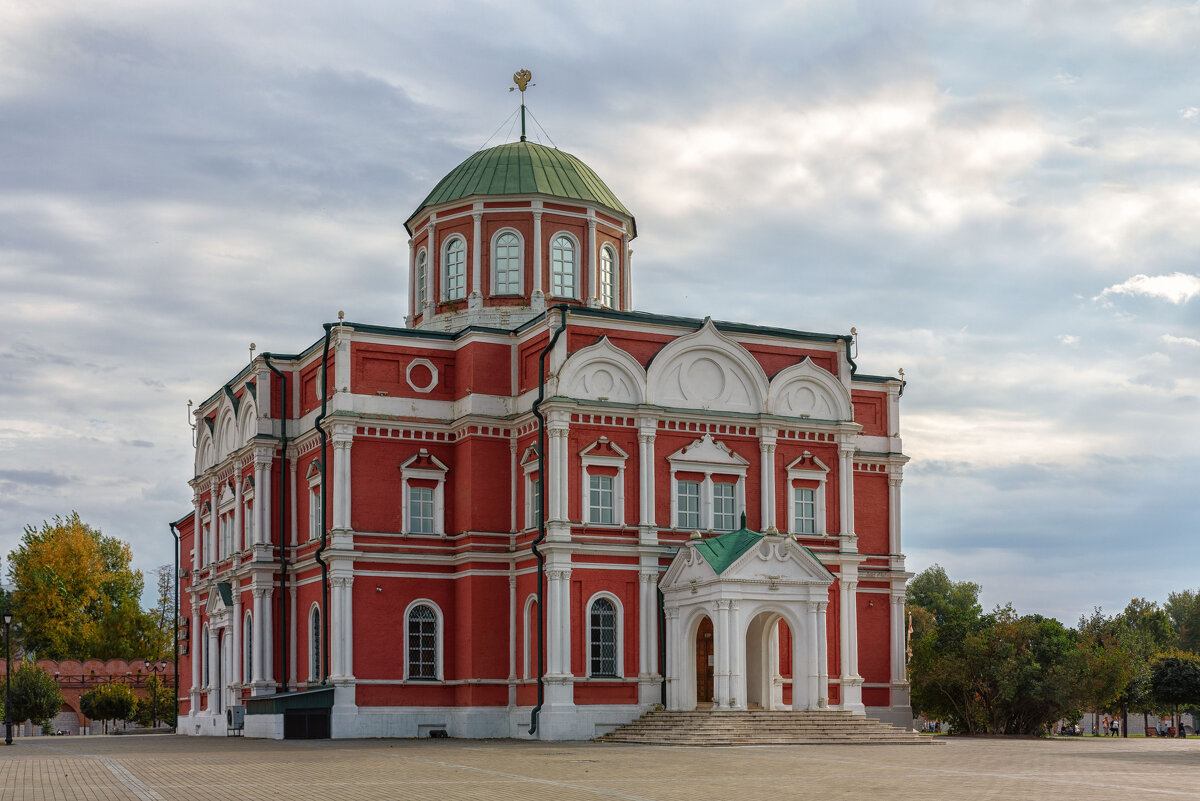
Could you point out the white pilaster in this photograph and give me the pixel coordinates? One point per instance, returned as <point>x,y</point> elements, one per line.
<point>257,638</point>
<point>433,263</point>
<point>237,545</point>
<point>766,446</point>
<point>476,254</point>
<point>235,673</point>
<point>593,263</point>
<point>822,656</point>
<point>722,637</point>
<point>537,249</point>
<point>812,657</point>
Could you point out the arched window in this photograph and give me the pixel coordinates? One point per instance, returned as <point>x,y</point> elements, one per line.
<point>314,644</point>
<point>204,677</point>
<point>247,649</point>
<point>562,267</point>
<point>422,643</point>
<point>606,276</point>
<point>531,636</point>
<point>455,272</point>
<point>602,638</point>
<point>506,264</point>
<point>421,279</point>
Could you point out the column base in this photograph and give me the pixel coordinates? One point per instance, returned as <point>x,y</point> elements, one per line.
<point>852,695</point>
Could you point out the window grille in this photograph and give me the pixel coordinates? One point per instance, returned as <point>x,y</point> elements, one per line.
<point>422,643</point>
<point>603,638</point>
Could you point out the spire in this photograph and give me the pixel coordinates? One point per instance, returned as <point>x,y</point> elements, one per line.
<point>521,78</point>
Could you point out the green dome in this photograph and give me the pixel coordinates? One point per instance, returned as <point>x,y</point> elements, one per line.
<point>523,168</point>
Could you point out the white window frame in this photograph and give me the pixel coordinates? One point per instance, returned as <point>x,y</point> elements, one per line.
<point>574,295</point>
<point>409,472</point>
<point>808,468</point>
<point>708,457</point>
<point>449,293</point>
<point>247,647</point>
<point>207,539</point>
<point>733,513</point>
<point>316,520</point>
<point>422,278</point>
<point>438,640</point>
<point>530,643</point>
<point>496,290</point>
<point>593,456</point>
<point>529,466</point>
<point>247,512</point>
<point>619,611</point>
<point>608,271</point>
<point>225,505</point>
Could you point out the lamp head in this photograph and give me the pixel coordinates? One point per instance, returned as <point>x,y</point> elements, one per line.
<point>8,618</point>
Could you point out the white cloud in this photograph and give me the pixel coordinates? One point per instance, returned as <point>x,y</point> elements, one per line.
<point>1068,339</point>
<point>1188,341</point>
<point>1190,113</point>
<point>1178,288</point>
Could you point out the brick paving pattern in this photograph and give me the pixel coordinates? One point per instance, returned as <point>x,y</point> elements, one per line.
<point>167,768</point>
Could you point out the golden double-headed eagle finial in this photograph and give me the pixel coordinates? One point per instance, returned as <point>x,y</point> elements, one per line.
<point>521,78</point>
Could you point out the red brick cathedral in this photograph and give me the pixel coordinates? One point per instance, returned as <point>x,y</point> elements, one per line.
<point>533,510</point>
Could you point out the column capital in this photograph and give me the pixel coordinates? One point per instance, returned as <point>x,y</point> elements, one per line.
<point>821,606</point>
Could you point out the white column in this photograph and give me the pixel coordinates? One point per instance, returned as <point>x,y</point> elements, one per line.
<point>822,656</point>
<point>812,658</point>
<point>565,622</point>
<point>257,638</point>
<point>236,546</point>
<point>515,476</point>
<point>235,673</point>
<point>265,533</point>
<point>593,264</point>
<point>537,251</point>
<point>432,265</point>
<point>766,446</point>
<point>512,637</point>
<point>197,534</point>
<point>737,650</point>
<point>293,636</point>
<point>196,652</point>
<point>674,655</point>
<point>268,641</point>
<point>846,493</point>
<point>476,254</point>
<point>706,502</point>
<point>647,428</point>
<point>553,611</point>
<point>626,281</point>
<point>899,632</point>
<point>214,677</point>
<point>722,637</point>
<point>894,481</point>
<point>342,441</point>
<point>261,490</point>
<point>843,632</point>
<point>292,499</point>
<point>214,517</point>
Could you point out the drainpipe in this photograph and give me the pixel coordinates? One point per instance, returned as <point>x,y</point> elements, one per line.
<point>320,424</point>
<point>849,340</point>
<point>662,644</point>
<point>541,559</point>
<point>175,534</point>
<point>283,507</point>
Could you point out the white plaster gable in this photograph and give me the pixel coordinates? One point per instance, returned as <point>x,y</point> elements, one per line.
<point>808,390</point>
<point>603,372</point>
<point>779,560</point>
<point>707,370</point>
<point>707,452</point>
<point>216,610</point>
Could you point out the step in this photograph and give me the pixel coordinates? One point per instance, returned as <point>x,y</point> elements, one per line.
<point>760,727</point>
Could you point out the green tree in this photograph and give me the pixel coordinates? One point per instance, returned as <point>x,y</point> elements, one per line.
<point>163,615</point>
<point>932,590</point>
<point>108,702</point>
<point>1184,611</point>
<point>75,595</point>
<point>35,695</point>
<point>158,704</point>
<point>1175,682</point>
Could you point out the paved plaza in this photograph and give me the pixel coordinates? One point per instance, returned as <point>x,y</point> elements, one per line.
<point>155,767</point>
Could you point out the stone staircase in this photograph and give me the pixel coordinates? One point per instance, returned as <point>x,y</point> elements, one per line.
<point>758,727</point>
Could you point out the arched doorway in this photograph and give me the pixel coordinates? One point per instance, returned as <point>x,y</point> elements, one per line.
<point>704,663</point>
<point>768,661</point>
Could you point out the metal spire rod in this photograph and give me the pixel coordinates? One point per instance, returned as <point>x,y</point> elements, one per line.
<point>521,78</point>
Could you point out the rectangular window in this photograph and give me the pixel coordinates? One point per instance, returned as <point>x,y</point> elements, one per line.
<point>315,523</point>
<point>687,502</point>
<point>600,499</point>
<point>420,510</point>
<point>535,502</point>
<point>806,511</point>
<point>723,512</point>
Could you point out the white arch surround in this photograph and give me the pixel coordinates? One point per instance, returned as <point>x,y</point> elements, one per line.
<point>528,646</point>
<point>226,433</point>
<point>808,390</point>
<point>603,372</point>
<point>439,621</point>
<point>775,576</point>
<point>492,283</point>
<point>206,455</point>
<point>707,370</point>
<point>619,612</point>
<point>247,420</point>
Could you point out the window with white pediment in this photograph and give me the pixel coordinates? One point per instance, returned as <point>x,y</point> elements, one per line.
<point>806,495</point>
<point>533,488</point>
<point>603,483</point>
<point>423,494</point>
<point>247,512</point>
<point>708,486</point>
<point>316,520</point>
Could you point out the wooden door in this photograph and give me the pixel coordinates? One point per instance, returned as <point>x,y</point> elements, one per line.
<point>704,662</point>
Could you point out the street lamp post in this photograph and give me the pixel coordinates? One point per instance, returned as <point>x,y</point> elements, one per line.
<point>155,668</point>
<point>8,678</point>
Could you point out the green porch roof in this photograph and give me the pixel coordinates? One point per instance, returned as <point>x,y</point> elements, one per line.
<point>520,168</point>
<point>724,550</point>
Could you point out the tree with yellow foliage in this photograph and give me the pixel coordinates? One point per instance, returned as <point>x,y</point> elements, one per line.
<point>75,595</point>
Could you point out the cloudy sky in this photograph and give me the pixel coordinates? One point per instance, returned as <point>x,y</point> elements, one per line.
<point>1002,197</point>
